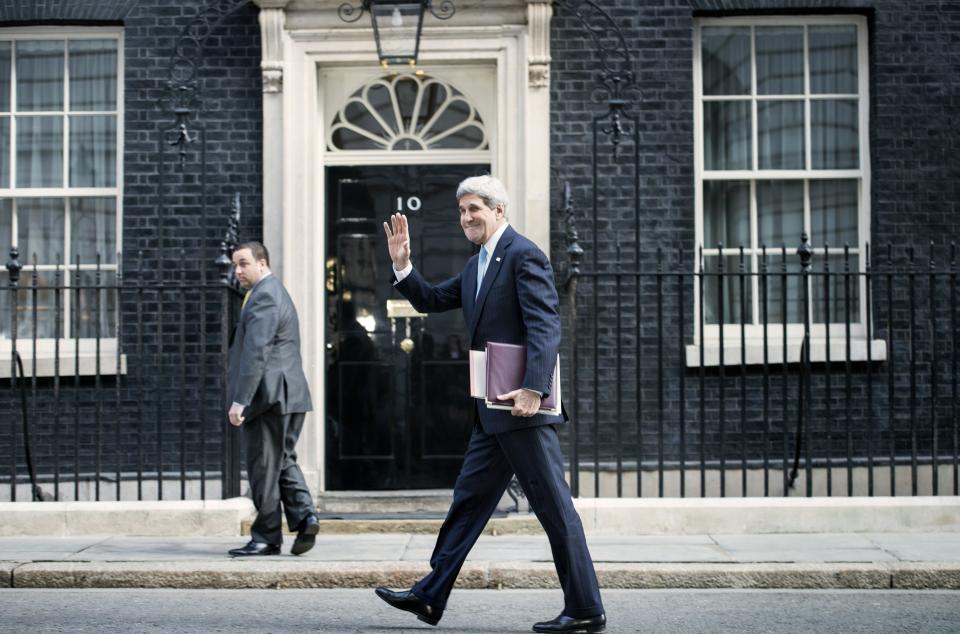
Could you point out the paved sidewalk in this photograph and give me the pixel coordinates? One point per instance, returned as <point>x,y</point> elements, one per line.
<point>840,560</point>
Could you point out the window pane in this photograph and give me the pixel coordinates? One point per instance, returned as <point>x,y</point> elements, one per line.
<point>5,308</point>
<point>6,228</point>
<point>726,60</point>
<point>93,151</point>
<point>44,306</point>
<point>469,137</point>
<point>724,289</point>
<point>93,74</point>
<point>381,102</point>
<point>726,213</point>
<point>780,131</point>
<point>844,288</point>
<point>93,224</point>
<point>779,60</point>
<point>40,229</point>
<point>833,213</point>
<point>39,75</point>
<point>97,306</point>
<point>4,151</point>
<point>780,213</point>
<point>782,287</point>
<point>833,59</point>
<point>726,134</point>
<point>834,134</point>
<point>39,152</point>
<point>5,49</point>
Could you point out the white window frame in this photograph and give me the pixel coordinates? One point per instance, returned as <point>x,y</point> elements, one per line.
<point>46,347</point>
<point>754,332</point>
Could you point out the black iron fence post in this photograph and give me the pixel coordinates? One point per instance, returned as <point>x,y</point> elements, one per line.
<point>13,271</point>
<point>805,251</point>
<point>574,255</point>
<point>231,435</point>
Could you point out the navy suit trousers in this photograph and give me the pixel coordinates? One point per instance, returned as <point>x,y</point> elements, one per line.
<point>533,453</point>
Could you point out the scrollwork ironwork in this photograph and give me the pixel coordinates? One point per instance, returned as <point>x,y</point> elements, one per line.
<point>346,12</point>
<point>516,493</point>
<point>445,12</point>
<point>572,237</point>
<point>617,79</point>
<point>184,94</point>
<point>14,266</point>
<point>229,243</point>
<point>350,13</point>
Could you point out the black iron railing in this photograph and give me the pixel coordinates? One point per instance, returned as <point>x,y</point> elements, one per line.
<point>683,380</point>
<point>117,382</point>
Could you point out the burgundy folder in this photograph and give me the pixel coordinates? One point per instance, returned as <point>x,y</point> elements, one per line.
<point>506,365</point>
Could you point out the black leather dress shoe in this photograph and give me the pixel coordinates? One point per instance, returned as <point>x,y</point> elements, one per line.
<point>410,602</point>
<point>306,536</point>
<point>256,548</point>
<point>569,624</point>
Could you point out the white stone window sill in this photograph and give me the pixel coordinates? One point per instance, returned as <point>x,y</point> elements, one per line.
<point>71,363</point>
<point>754,352</point>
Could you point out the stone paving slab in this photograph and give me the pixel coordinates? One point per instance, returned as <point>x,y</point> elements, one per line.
<point>943,547</point>
<point>47,548</point>
<point>803,548</point>
<point>488,548</point>
<point>357,548</point>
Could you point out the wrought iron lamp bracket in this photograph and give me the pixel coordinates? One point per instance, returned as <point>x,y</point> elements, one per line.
<point>184,94</point>
<point>616,80</point>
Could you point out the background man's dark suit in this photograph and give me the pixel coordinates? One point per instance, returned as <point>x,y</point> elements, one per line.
<point>517,303</point>
<point>266,375</point>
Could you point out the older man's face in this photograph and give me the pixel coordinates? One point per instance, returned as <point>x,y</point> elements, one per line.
<point>478,221</point>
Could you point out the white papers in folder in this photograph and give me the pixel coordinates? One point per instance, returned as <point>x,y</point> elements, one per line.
<point>478,374</point>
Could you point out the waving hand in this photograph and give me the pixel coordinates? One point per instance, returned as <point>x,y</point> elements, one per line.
<point>398,241</point>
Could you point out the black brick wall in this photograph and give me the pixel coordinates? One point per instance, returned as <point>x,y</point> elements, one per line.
<point>914,93</point>
<point>175,216</point>
<point>915,96</point>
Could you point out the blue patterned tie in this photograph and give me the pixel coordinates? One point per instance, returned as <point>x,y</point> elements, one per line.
<point>481,269</point>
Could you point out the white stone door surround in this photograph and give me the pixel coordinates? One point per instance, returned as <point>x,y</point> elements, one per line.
<point>301,39</point>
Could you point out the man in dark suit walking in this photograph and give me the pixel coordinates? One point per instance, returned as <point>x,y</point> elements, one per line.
<point>270,398</point>
<point>507,295</point>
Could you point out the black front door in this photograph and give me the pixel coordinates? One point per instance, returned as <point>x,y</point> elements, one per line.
<point>398,413</point>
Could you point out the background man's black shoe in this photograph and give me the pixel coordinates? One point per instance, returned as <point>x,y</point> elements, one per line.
<point>569,624</point>
<point>410,602</point>
<point>256,548</point>
<point>306,536</point>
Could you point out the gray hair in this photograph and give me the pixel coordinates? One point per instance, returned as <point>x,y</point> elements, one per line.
<point>488,188</point>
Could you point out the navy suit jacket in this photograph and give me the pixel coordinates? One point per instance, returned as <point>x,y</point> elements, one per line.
<point>517,303</point>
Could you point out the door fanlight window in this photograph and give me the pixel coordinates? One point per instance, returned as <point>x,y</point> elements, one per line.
<point>407,113</point>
